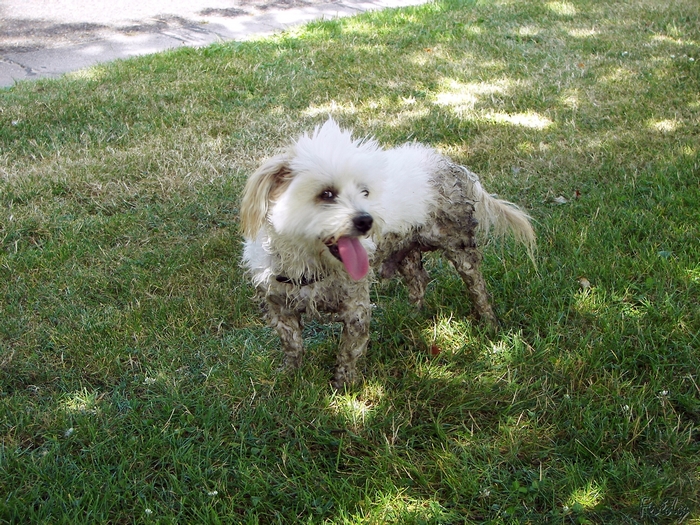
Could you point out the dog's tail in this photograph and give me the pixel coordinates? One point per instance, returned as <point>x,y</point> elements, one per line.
<point>501,217</point>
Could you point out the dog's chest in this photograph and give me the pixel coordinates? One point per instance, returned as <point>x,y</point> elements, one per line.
<point>330,295</point>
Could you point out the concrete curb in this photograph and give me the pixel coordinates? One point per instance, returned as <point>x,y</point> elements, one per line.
<point>82,49</point>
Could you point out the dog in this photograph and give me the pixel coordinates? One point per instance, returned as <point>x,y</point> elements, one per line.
<point>330,211</point>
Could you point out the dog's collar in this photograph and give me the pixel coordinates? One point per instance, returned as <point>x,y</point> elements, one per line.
<point>304,281</point>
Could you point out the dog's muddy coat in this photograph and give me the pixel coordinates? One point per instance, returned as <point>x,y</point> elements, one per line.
<point>452,228</point>
<point>317,218</point>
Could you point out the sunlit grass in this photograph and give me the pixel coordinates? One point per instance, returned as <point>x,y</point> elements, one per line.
<point>563,8</point>
<point>585,498</point>
<point>81,402</point>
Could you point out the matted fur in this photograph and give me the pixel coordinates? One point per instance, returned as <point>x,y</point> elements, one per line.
<point>303,208</point>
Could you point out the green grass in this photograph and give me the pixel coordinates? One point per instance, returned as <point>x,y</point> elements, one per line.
<point>138,383</point>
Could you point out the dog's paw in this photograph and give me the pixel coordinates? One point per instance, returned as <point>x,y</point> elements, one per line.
<point>416,301</point>
<point>291,362</point>
<point>343,377</point>
<point>489,321</point>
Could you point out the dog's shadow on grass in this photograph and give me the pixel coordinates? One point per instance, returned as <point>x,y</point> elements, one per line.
<point>409,397</point>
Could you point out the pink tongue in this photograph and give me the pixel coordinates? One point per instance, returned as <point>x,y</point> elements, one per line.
<point>354,257</point>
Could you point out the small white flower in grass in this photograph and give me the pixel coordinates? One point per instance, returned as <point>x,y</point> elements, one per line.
<point>148,512</point>
<point>625,408</point>
<point>213,493</point>
<point>69,432</point>
<point>149,380</point>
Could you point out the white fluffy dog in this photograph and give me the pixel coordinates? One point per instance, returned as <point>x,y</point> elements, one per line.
<point>320,215</point>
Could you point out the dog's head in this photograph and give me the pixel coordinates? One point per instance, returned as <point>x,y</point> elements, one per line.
<point>322,195</point>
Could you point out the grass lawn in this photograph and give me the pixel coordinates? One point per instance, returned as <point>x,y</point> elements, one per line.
<point>138,382</point>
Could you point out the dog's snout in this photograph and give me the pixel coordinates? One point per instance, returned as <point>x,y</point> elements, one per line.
<point>363,222</point>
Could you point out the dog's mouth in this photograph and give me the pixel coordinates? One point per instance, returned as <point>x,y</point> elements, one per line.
<point>350,252</point>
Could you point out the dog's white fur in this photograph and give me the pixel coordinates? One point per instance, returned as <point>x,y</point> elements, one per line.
<point>330,194</point>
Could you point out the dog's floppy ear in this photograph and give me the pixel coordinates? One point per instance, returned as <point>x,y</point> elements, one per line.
<point>262,187</point>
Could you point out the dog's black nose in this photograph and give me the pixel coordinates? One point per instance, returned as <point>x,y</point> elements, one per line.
<point>363,222</point>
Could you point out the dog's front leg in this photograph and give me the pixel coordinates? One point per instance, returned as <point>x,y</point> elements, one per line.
<point>287,323</point>
<point>353,342</point>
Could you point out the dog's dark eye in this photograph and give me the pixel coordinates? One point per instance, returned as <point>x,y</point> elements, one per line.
<point>327,196</point>
<point>365,192</point>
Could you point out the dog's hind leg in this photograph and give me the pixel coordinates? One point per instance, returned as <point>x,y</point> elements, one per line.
<point>414,275</point>
<point>408,261</point>
<point>467,262</point>
<point>353,343</point>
